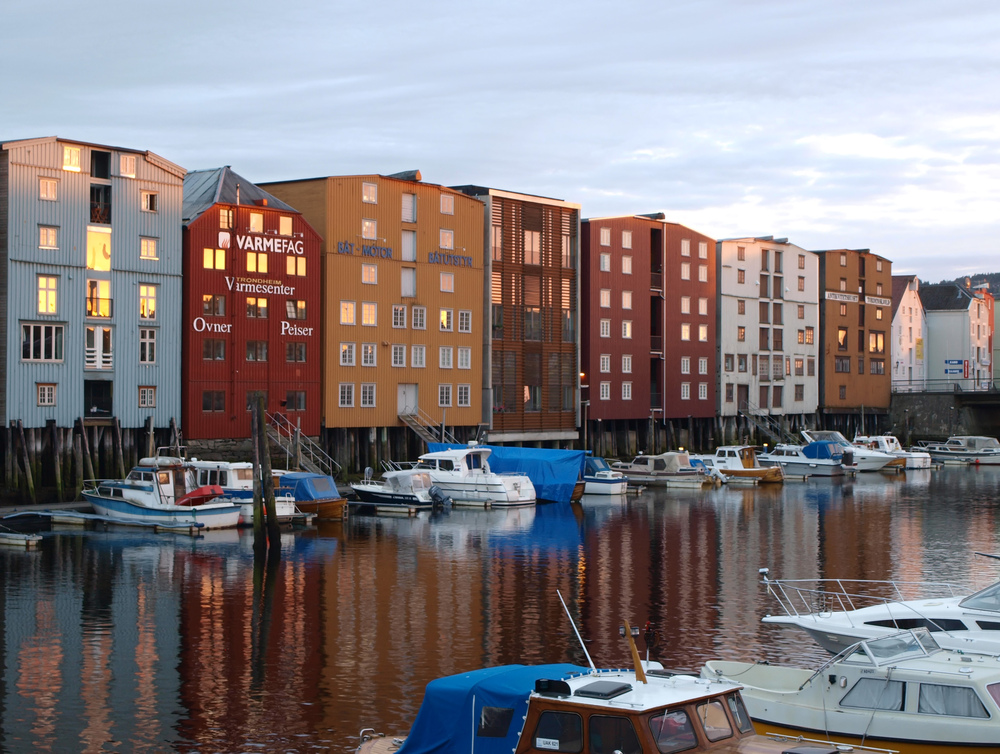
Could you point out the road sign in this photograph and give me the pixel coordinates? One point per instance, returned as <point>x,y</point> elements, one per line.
<point>956,362</point>
<point>952,371</point>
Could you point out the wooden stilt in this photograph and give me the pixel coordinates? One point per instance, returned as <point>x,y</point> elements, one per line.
<point>56,434</point>
<point>77,463</point>
<point>175,438</point>
<point>26,459</point>
<point>88,460</point>
<point>267,481</point>
<point>118,450</point>
<point>150,448</point>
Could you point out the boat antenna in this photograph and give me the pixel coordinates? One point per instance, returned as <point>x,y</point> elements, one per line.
<point>988,555</point>
<point>578,637</point>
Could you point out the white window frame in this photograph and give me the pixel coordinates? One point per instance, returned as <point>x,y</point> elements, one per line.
<point>447,204</point>
<point>48,237</point>
<point>45,394</point>
<point>685,365</point>
<point>465,320</point>
<point>447,239</point>
<point>48,294</point>
<point>685,304</point>
<point>703,306</point>
<point>346,395</point>
<point>369,355</point>
<point>149,201</point>
<point>399,355</point>
<point>685,331</point>
<point>147,396</point>
<point>418,356</point>
<point>685,270</point>
<point>702,333</point>
<point>605,391</point>
<point>703,365</point>
<point>147,302</point>
<point>148,248</point>
<point>348,312</point>
<point>369,308</point>
<point>447,282</point>
<point>605,363</point>
<point>446,320</point>
<point>626,265</point>
<point>703,391</point>
<point>605,298</point>
<point>685,247</point>
<point>605,262</point>
<point>347,354</point>
<point>369,274</point>
<point>626,364</point>
<point>627,329</point>
<point>626,299</point>
<point>605,236</point>
<point>409,201</point>
<point>464,358</point>
<point>126,165</point>
<point>399,316</point>
<point>419,317</point>
<point>626,239</point>
<point>464,395</point>
<point>702,273</point>
<point>48,189</point>
<point>445,357</point>
<point>626,391</point>
<point>147,345</point>
<point>685,391</point>
<point>367,395</point>
<point>369,193</point>
<point>71,158</point>
<point>369,229</point>
<point>444,395</point>
<point>605,328</point>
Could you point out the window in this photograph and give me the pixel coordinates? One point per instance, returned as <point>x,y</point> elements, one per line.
<point>703,273</point>
<point>605,362</point>
<point>284,225</point>
<point>764,257</point>
<point>147,397</point>
<point>257,262</point>
<point>369,274</point>
<point>256,350</point>
<point>98,250</point>
<point>741,306</point>
<point>685,270</point>
<point>295,400</point>
<point>878,313</point>
<point>605,328</point>
<point>45,394</point>
<point>878,289</point>
<point>875,693</point>
<point>741,276</point>
<point>703,333</point>
<point>626,265</point>
<point>532,323</point>
<point>369,193</point>
<point>367,354</point>
<point>226,217</point>
<point>626,239</point>
<point>626,299</point>
<point>419,317</point>
<point>295,266</point>
<point>878,265</point>
<point>213,349</point>
<point>47,294</point>
<point>702,391</point>
<point>703,307</point>
<point>685,365</point>
<point>399,355</point>
<point>346,395</point>
<point>147,345</point>
<point>444,357</point>
<point>48,189</point>
<point>214,259</point>
<point>100,164</point>
<point>149,201</point>
<point>147,301</point>
<point>703,365</point>
<point>605,262</point>
<point>685,304</point>
<point>369,230</point>
<point>843,259</point>
<point>447,282</point>
<point>605,298</point>
<point>408,282</point>
<point>213,306</point>
<point>295,351</point>
<point>802,283</point>
<point>841,338</point>
<point>605,391</point>
<point>877,366</point>
<point>741,362</point>
<point>398,316</point>
<point>97,352</point>
<point>369,314</point>
<point>447,239</point>
<point>842,364</point>
<point>568,257</point>
<point>213,401</point>
<point>876,342</point>
<point>843,310</point>
<point>729,392</point>
<point>465,395</point>
<point>465,321</point>
<point>446,323</point>
<point>147,248</point>
<point>627,328</point>
<point>409,244</point>
<point>497,238</point>
<point>447,204</point>
<point>256,307</point>
<point>71,159</point>
<point>418,356</point>
<point>741,253</point>
<point>367,395</point>
<point>295,308</point>
<point>685,391</point>
<point>347,354</point>
<point>957,701</point>
<point>626,364</point>
<point>444,396</point>
<point>409,206</point>
<point>810,337</point>
<point>777,340</point>
<point>685,247</point>
<point>605,236</point>
<point>843,284</point>
<point>626,391</point>
<point>799,367</point>
<point>728,361</point>
<point>741,333</point>
<point>765,339</point>
<point>465,358</point>
<point>532,247</point>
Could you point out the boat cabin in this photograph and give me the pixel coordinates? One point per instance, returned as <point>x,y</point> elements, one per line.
<point>472,461</point>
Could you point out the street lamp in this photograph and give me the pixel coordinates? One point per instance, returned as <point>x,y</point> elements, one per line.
<point>584,404</point>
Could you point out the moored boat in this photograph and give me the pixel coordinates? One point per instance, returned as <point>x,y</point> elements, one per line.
<point>398,491</point>
<point>738,463</point>
<point>670,469</point>
<point>813,459</point>
<point>313,493</point>
<point>912,459</point>
<point>600,479</point>
<point>900,692</point>
<point>966,449</point>
<point>856,458</point>
<point>464,475</point>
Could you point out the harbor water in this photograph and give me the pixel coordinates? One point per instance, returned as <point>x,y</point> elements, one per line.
<point>118,639</point>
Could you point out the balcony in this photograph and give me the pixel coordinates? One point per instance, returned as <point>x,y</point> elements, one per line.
<point>656,281</point>
<point>101,308</point>
<point>656,344</point>
<point>100,204</point>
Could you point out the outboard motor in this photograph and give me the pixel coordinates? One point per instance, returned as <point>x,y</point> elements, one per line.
<point>848,459</point>
<point>441,500</point>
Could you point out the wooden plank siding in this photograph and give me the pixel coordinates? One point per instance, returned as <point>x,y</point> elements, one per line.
<point>335,207</point>
<point>234,375</point>
<point>70,215</point>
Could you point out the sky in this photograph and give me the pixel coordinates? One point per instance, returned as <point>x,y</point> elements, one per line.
<point>871,124</point>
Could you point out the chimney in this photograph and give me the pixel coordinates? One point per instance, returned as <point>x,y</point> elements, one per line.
<point>968,283</point>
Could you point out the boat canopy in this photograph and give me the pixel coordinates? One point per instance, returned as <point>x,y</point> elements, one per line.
<point>822,450</point>
<point>482,709</point>
<point>554,473</point>
<point>595,464</point>
<point>305,486</point>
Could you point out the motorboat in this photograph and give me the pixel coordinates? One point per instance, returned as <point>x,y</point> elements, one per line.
<point>911,459</point>
<point>600,479</point>
<point>161,493</point>
<point>516,709</point>
<point>464,475</point>
<point>839,612</point>
<point>313,493</point>
<point>813,459</point>
<point>236,480</point>
<point>966,449</point>
<point>901,692</point>
<point>739,464</point>
<point>398,491</point>
<point>856,457</point>
<point>670,469</point>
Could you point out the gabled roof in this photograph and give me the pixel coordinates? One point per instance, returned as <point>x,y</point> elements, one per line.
<point>899,285</point>
<point>945,297</point>
<point>205,188</point>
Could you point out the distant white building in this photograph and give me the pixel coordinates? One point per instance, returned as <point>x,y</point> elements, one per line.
<point>768,321</point>
<point>909,328</point>
<point>959,338</point>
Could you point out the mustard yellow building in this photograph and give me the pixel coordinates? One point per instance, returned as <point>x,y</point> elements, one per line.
<point>402,297</point>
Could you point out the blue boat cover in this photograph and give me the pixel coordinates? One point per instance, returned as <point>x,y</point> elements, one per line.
<point>306,486</point>
<point>822,450</point>
<point>449,718</point>
<point>554,473</point>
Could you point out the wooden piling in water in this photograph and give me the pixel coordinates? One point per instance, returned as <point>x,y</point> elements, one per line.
<point>56,439</point>
<point>26,459</point>
<point>175,438</point>
<point>150,443</point>
<point>118,450</point>
<point>88,462</point>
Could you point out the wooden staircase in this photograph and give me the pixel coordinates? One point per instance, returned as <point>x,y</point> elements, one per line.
<point>301,451</point>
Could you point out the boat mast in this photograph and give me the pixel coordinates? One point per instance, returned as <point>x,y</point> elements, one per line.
<point>578,637</point>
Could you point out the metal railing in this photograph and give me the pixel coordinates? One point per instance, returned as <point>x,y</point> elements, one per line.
<point>307,453</point>
<point>957,385</point>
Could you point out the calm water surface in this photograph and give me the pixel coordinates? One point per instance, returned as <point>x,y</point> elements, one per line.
<point>125,641</point>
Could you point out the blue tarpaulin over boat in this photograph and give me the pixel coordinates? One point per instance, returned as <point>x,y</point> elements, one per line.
<point>822,450</point>
<point>451,719</point>
<point>554,473</point>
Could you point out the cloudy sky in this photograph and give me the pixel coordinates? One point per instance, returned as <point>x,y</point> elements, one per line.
<point>868,124</point>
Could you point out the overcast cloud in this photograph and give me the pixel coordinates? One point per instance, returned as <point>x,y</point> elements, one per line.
<point>851,124</point>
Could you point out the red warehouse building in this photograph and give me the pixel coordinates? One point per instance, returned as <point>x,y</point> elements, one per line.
<point>251,309</point>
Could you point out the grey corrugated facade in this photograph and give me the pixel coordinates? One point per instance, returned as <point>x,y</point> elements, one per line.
<point>72,214</point>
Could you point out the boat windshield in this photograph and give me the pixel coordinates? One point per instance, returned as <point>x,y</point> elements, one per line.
<point>984,599</point>
<point>901,646</point>
<point>597,464</point>
<point>672,731</point>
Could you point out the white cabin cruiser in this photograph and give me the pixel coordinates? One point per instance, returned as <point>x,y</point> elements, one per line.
<point>464,475</point>
<point>398,491</point>
<point>860,459</point>
<point>236,480</point>
<point>601,479</point>
<point>965,449</point>
<point>814,459</point>
<point>738,463</point>
<point>670,469</point>
<point>912,459</point>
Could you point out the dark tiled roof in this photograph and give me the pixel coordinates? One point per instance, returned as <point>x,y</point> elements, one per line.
<point>899,285</point>
<point>946,296</point>
<point>205,188</point>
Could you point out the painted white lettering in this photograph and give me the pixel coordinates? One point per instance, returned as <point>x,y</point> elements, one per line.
<point>288,328</point>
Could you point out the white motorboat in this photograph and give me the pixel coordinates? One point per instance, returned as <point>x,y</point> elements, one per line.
<point>236,480</point>
<point>398,491</point>
<point>739,464</point>
<point>160,493</point>
<point>900,692</point>
<point>966,449</point>
<point>601,479</point>
<point>855,457</point>
<point>840,612</point>
<point>464,475</point>
<point>813,459</point>
<point>912,459</point>
<point>670,469</point>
